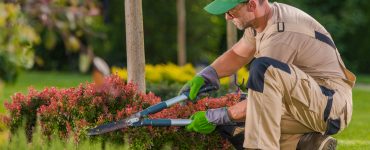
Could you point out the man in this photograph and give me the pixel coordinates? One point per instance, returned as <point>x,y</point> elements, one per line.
<point>299,91</point>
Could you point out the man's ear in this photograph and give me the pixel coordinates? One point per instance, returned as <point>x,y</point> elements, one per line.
<point>252,5</point>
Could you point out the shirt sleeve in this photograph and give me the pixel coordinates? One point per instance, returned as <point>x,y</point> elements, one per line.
<point>249,38</point>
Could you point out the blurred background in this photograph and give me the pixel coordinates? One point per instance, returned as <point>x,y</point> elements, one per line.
<point>53,42</point>
<point>63,30</point>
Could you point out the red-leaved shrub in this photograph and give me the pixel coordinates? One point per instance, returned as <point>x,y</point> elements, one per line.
<point>69,112</point>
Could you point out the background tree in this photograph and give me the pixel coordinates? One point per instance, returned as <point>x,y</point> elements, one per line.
<point>67,28</point>
<point>181,33</point>
<point>135,43</point>
<point>17,38</point>
<point>64,22</point>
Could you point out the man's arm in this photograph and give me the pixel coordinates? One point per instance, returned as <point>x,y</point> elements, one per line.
<point>230,62</point>
<point>237,112</point>
<point>234,58</point>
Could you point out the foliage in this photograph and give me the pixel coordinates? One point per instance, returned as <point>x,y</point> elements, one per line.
<point>354,137</point>
<point>39,80</point>
<point>164,90</point>
<point>24,108</point>
<point>67,27</point>
<point>346,20</point>
<point>171,73</point>
<point>69,112</point>
<point>16,40</point>
<point>204,32</point>
<point>19,141</point>
<point>162,72</point>
<point>165,80</point>
<point>83,25</point>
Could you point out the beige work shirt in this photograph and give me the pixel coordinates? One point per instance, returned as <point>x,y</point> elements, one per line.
<point>316,58</point>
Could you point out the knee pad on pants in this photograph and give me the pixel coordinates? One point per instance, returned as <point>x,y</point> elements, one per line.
<point>258,69</point>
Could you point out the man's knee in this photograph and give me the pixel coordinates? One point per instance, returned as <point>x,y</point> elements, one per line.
<point>258,69</point>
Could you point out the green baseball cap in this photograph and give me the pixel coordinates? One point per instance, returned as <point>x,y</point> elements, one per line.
<point>218,7</point>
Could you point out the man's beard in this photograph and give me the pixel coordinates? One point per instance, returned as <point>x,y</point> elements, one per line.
<point>245,25</point>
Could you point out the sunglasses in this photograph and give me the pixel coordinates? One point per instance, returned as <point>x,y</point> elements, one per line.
<point>233,11</point>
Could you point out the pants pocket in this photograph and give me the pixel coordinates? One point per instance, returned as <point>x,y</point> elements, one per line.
<point>308,93</point>
<point>300,92</point>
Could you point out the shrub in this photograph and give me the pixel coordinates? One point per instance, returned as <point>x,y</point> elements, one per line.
<point>162,72</point>
<point>69,112</point>
<point>19,141</point>
<point>164,90</point>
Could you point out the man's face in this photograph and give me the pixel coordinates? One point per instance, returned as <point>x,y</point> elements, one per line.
<point>241,17</point>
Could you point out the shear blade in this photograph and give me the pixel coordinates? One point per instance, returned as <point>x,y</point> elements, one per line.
<point>108,127</point>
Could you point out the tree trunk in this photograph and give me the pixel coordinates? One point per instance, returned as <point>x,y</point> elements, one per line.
<point>232,37</point>
<point>135,43</point>
<point>181,32</point>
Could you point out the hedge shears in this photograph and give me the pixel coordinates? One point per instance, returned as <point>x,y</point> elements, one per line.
<point>138,119</point>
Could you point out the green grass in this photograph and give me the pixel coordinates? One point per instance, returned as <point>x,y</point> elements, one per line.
<point>40,80</point>
<point>355,137</point>
<point>19,142</point>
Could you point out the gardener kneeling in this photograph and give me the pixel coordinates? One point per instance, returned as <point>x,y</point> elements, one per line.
<point>299,90</point>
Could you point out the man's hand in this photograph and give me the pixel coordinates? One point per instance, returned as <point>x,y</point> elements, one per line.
<point>206,121</point>
<point>193,86</point>
<point>206,77</point>
<point>200,123</point>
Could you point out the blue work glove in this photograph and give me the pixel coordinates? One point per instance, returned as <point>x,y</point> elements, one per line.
<point>206,77</point>
<point>205,122</point>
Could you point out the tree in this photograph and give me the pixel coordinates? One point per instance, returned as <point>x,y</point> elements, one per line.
<point>135,43</point>
<point>17,38</point>
<point>66,28</point>
<point>181,32</point>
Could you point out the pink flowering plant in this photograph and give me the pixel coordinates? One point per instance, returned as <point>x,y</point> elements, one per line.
<point>23,108</point>
<point>70,112</point>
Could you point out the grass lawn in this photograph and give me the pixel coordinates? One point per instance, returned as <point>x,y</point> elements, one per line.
<point>355,137</point>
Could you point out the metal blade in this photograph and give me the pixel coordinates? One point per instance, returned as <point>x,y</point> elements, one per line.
<point>109,127</point>
<point>112,126</point>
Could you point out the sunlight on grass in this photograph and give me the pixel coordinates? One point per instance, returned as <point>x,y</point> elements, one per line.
<point>353,145</point>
